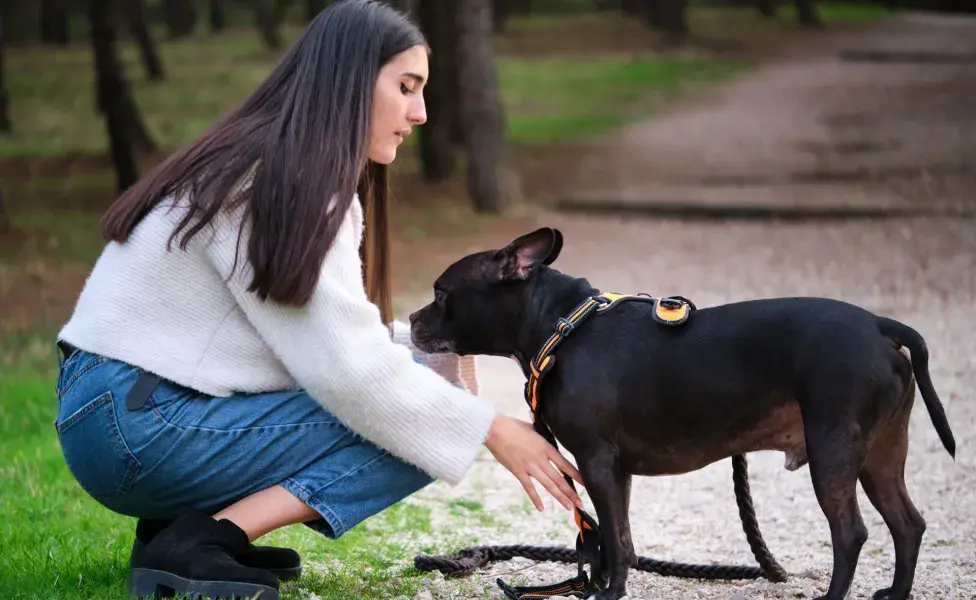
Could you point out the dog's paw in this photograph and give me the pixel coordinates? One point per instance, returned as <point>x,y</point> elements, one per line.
<point>884,594</point>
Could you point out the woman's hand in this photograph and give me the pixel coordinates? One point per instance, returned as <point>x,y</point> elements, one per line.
<point>517,446</point>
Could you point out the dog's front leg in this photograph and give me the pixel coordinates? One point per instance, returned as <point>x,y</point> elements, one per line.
<point>609,487</point>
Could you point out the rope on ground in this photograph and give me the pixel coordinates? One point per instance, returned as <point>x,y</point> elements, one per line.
<point>468,560</point>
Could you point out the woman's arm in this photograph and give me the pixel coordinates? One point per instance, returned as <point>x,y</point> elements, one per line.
<point>340,352</point>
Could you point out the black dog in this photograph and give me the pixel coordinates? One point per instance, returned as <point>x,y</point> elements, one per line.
<point>820,380</point>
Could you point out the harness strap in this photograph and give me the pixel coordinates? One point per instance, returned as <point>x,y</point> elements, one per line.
<point>672,310</point>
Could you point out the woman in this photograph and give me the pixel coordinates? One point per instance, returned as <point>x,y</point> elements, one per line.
<point>227,371</point>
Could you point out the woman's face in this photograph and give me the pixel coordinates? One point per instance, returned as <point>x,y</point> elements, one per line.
<point>398,103</point>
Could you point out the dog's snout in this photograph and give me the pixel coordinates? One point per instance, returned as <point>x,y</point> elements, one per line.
<point>414,316</point>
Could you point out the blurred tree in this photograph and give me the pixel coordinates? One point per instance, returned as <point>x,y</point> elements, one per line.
<point>17,20</point>
<point>669,16</point>
<point>264,14</point>
<point>481,113</point>
<point>807,14</point>
<point>54,21</point>
<point>180,17</point>
<point>501,10</point>
<point>437,139</point>
<point>5,126</point>
<point>405,6</point>
<point>5,225</point>
<point>217,17</point>
<point>119,109</point>
<point>135,12</point>
<point>314,7</point>
<point>673,18</point>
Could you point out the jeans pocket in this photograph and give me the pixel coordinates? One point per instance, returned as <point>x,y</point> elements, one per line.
<point>95,451</point>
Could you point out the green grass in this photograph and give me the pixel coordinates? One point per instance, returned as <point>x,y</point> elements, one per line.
<point>558,98</point>
<point>55,542</point>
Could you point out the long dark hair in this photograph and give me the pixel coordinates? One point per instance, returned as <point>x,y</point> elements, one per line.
<point>305,132</point>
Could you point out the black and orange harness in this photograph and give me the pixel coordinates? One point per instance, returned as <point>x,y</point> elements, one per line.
<point>669,311</point>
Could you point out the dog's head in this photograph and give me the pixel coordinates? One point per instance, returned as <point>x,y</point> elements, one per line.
<point>478,298</point>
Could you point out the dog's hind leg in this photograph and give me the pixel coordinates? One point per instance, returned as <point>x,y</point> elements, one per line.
<point>609,488</point>
<point>883,480</point>
<point>836,451</point>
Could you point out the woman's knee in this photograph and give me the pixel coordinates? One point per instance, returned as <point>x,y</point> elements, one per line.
<point>350,488</point>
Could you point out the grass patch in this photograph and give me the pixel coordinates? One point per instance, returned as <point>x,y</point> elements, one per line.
<point>556,98</point>
<point>58,543</point>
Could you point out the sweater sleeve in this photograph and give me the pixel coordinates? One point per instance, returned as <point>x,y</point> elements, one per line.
<point>339,351</point>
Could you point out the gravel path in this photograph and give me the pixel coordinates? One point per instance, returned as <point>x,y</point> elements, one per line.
<point>920,270</point>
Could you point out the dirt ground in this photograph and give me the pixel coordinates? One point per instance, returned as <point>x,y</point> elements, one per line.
<point>808,130</point>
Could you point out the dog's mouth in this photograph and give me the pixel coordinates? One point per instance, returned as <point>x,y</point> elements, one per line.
<point>431,346</point>
<point>426,343</point>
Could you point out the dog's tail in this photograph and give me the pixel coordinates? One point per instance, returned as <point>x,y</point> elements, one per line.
<point>913,340</point>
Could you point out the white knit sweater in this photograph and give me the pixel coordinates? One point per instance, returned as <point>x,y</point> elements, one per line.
<point>184,316</point>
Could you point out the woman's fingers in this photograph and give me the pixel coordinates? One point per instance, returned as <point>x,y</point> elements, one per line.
<point>565,466</point>
<point>555,484</point>
<point>560,482</point>
<point>526,482</point>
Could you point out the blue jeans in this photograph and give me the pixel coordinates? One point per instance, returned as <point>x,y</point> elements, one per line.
<point>184,449</point>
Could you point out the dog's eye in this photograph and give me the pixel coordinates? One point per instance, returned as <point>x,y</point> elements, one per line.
<point>440,297</point>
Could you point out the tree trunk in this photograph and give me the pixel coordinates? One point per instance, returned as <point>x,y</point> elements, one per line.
<point>481,112</point>
<point>437,139</point>
<point>265,20</point>
<point>4,109</point>
<point>281,11</point>
<point>5,225</point>
<point>114,91</point>
<point>136,13</point>
<point>17,22</point>
<point>404,6</point>
<point>54,22</point>
<point>674,18</point>
<point>631,7</point>
<point>767,8</point>
<point>650,12</point>
<point>180,17</point>
<point>314,7</point>
<point>807,14</point>
<point>217,18</point>
<point>500,10</point>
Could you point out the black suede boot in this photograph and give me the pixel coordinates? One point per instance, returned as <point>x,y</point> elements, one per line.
<point>285,563</point>
<point>195,556</point>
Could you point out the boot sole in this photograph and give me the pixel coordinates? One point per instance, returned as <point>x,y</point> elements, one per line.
<point>148,583</point>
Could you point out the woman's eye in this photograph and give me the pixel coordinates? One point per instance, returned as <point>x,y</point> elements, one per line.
<point>404,89</point>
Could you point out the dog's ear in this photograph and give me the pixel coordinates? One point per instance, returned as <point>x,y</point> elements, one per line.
<point>557,247</point>
<point>525,253</point>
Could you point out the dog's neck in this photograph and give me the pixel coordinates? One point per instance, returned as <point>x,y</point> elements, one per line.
<point>547,296</point>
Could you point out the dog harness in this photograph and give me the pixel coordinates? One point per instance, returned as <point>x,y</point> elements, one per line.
<point>668,311</point>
